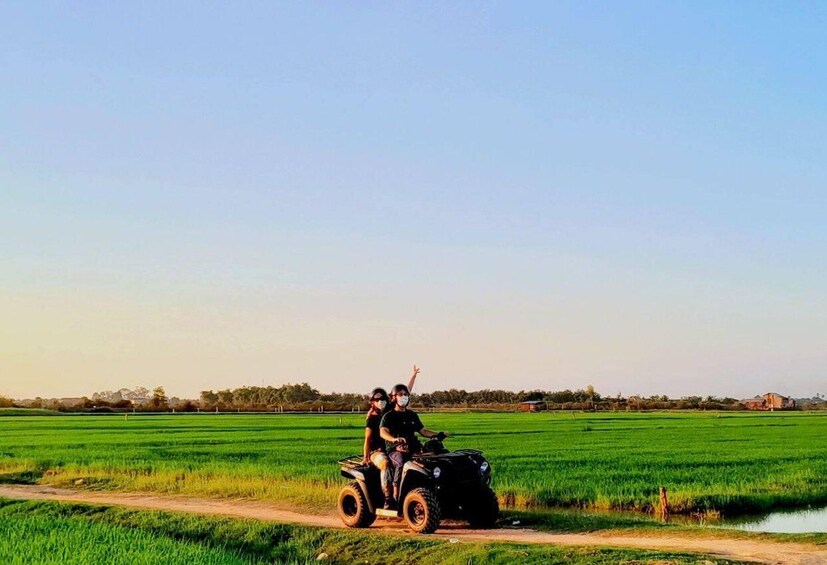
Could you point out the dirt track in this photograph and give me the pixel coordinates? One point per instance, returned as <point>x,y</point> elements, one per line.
<point>759,551</point>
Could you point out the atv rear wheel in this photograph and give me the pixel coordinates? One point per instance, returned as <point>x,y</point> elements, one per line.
<point>353,507</point>
<point>421,511</point>
<point>484,510</point>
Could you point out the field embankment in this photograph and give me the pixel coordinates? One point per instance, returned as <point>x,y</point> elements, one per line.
<point>44,532</point>
<point>711,462</point>
<point>196,521</point>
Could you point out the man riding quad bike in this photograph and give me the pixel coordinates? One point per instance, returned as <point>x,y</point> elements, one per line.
<point>375,451</point>
<point>431,483</point>
<point>435,484</point>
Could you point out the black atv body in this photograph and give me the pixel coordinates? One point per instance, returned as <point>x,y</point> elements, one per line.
<point>436,484</point>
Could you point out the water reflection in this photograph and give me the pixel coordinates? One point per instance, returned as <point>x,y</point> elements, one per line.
<point>811,520</point>
<point>783,522</point>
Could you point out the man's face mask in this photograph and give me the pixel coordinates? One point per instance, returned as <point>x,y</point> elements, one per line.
<point>402,399</point>
<point>381,404</point>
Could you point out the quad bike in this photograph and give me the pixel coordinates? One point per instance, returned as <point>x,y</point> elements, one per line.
<point>435,484</point>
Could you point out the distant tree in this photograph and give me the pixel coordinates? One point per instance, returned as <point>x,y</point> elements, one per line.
<point>533,395</point>
<point>185,406</point>
<point>208,399</point>
<point>6,402</point>
<point>225,397</point>
<point>159,400</point>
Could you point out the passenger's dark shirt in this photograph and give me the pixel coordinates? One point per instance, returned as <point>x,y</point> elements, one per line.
<point>404,424</point>
<point>376,441</point>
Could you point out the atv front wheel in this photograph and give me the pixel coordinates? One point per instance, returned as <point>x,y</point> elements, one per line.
<point>484,510</point>
<point>353,507</point>
<point>421,511</point>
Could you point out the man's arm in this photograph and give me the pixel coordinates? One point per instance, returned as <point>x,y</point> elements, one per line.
<point>413,378</point>
<point>425,432</point>
<point>388,436</point>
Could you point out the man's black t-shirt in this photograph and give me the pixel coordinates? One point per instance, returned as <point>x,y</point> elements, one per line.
<point>376,441</point>
<point>403,424</point>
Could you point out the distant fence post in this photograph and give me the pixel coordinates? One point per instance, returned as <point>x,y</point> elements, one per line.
<point>664,505</point>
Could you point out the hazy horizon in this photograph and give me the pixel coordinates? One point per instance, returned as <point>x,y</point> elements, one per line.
<point>417,390</point>
<point>516,196</point>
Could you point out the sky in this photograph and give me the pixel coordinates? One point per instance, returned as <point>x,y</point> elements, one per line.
<point>511,195</point>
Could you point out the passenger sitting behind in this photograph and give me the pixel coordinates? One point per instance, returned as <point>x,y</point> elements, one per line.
<point>374,450</point>
<point>399,428</point>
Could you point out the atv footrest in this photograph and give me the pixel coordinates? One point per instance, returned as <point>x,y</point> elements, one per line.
<point>386,513</point>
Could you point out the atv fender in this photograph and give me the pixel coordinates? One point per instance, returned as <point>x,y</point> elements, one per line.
<point>359,477</point>
<point>413,467</point>
<point>413,476</point>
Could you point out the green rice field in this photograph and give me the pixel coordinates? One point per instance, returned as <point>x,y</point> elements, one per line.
<point>714,462</point>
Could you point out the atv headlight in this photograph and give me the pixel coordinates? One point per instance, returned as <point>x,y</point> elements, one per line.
<point>484,466</point>
<point>437,472</point>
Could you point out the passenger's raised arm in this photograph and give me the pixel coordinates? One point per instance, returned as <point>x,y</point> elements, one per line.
<point>413,378</point>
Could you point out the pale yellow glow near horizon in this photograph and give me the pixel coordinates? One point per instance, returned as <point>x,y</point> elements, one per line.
<point>57,343</point>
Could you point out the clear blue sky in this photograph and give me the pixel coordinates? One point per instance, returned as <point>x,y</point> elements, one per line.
<point>512,195</point>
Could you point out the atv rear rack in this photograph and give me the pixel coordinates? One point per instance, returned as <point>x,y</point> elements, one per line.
<point>351,460</point>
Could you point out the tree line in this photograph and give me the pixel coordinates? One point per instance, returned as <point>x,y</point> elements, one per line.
<point>304,398</point>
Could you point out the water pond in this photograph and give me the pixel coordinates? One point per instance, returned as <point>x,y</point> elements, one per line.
<point>807,520</point>
<point>782,522</point>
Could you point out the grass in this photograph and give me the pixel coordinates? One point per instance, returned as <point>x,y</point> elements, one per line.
<point>38,532</point>
<point>733,463</point>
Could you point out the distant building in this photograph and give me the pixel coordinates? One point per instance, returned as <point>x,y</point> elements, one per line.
<point>532,406</point>
<point>770,401</point>
<point>776,401</point>
<point>756,403</point>
<point>71,401</point>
